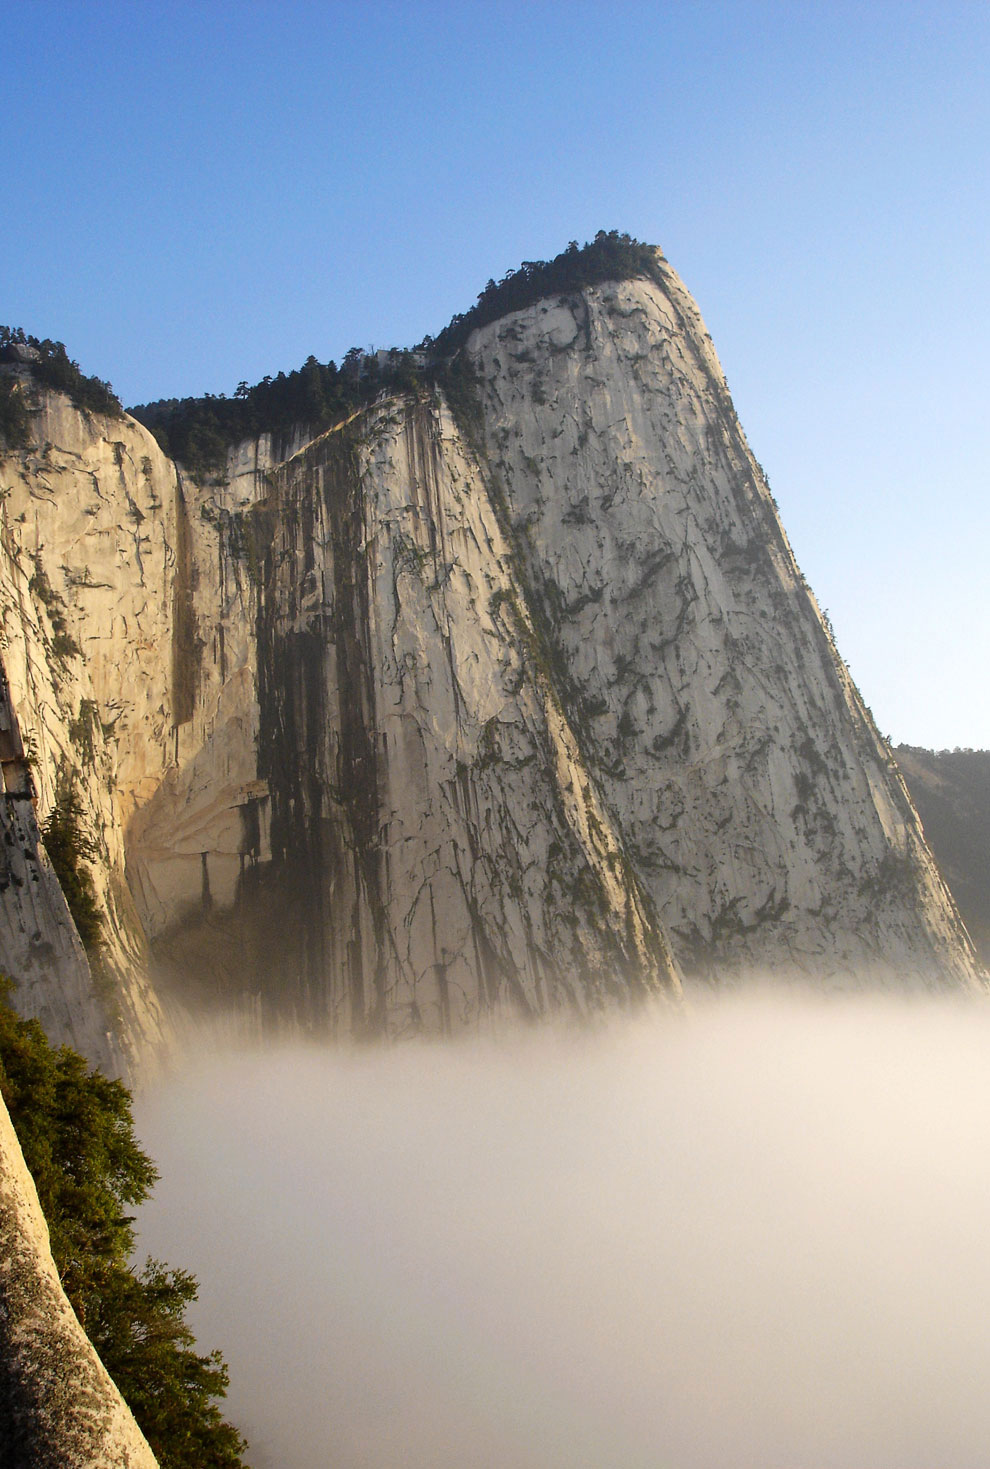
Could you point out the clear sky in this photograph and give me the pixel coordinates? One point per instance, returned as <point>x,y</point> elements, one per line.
<point>202,193</point>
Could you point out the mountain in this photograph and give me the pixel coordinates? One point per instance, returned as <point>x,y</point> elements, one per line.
<point>471,682</point>
<point>492,687</point>
<point>951,791</point>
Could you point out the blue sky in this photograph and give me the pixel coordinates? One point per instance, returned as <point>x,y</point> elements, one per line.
<point>202,193</point>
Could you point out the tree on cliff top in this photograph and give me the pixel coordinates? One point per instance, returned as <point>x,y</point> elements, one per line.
<point>50,365</point>
<point>610,256</point>
<point>77,1133</point>
<point>199,431</point>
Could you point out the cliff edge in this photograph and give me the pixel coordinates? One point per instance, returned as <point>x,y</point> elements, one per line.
<point>502,694</point>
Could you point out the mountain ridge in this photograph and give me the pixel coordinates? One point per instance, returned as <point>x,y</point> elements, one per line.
<point>500,697</point>
<point>501,691</point>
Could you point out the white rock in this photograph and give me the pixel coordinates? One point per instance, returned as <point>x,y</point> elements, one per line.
<point>373,735</point>
<point>759,807</point>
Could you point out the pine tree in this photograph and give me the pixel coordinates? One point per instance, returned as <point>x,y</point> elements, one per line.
<point>76,1130</point>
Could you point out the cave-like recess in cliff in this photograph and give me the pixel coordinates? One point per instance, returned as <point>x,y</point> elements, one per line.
<point>637,739</point>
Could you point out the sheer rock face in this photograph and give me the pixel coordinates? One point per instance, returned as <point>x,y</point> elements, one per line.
<point>40,944</point>
<point>760,809</point>
<point>331,779</point>
<point>58,1407</point>
<point>408,724</point>
<point>408,731</point>
<point>399,832</point>
<point>86,552</point>
<point>427,718</point>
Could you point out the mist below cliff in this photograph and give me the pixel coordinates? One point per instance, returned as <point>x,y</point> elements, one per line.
<point>756,1235</point>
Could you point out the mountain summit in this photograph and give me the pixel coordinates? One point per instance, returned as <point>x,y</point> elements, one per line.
<point>482,682</point>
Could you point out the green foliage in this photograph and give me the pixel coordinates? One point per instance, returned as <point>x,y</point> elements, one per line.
<point>64,644</point>
<point>82,729</point>
<point>610,256</point>
<point>77,1133</point>
<point>141,1334</point>
<point>68,849</point>
<point>54,368</point>
<point>461,388</point>
<point>199,431</point>
<point>15,414</point>
<point>627,726</point>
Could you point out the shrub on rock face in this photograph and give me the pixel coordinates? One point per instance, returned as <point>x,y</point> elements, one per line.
<point>15,415</point>
<point>68,850</point>
<point>77,1133</point>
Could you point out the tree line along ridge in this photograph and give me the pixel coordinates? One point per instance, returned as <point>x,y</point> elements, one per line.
<point>199,431</point>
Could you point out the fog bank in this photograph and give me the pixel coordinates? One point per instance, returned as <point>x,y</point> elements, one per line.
<point>757,1237</point>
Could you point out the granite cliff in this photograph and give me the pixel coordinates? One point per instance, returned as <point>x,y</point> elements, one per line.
<point>502,694</point>
<point>759,808</point>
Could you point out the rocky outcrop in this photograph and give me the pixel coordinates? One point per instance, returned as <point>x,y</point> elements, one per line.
<point>58,1407</point>
<point>38,938</point>
<point>402,833</point>
<point>86,553</point>
<point>760,810</point>
<point>441,714</point>
<point>332,779</point>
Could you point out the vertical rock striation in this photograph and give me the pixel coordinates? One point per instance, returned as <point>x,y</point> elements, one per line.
<point>760,809</point>
<point>86,536</point>
<point>433,826</point>
<point>436,716</point>
<point>441,714</point>
<point>38,938</point>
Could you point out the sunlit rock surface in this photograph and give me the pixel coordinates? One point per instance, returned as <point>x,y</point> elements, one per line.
<point>58,1407</point>
<point>86,568</point>
<point>432,717</point>
<point>759,807</point>
<point>389,825</point>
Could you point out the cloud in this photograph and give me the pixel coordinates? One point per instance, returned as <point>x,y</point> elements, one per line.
<point>757,1235</point>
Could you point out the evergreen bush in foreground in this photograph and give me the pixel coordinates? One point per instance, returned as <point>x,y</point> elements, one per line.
<point>77,1134</point>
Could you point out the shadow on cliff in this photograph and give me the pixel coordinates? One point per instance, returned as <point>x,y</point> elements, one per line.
<point>752,1236</point>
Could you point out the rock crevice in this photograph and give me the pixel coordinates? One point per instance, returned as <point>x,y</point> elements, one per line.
<point>443,714</point>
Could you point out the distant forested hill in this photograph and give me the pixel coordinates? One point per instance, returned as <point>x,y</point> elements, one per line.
<point>951,789</point>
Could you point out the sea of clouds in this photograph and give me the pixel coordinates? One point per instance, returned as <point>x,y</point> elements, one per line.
<point>752,1236</point>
